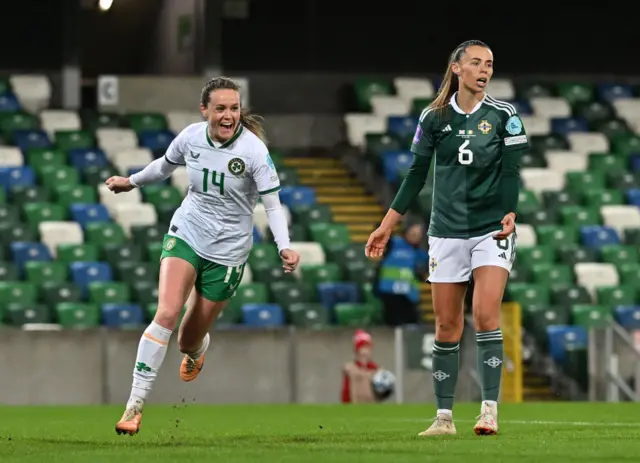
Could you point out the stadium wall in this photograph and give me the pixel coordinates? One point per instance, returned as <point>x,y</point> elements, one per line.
<point>275,366</point>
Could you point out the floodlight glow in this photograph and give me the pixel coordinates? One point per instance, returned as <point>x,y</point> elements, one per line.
<point>104,5</point>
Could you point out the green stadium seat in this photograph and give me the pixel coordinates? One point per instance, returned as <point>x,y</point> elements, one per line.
<point>21,195</point>
<point>602,197</point>
<point>536,319</point>
<point>325,273</point>
<point>526,91</point>
<point>595,112</point>
<point>165,213</point>
<point>54,176</point>
<point>140,122</point>
<point>613,128</point>
<point>619,255</point>
<point>378,143</point>
<point>40,272</point>
<point>22,313</point>
<point>539,217</point>
<point>529,294</point>
<point>66,195</point>
<point>39,158</point>
<point>360,271</point>
<point>366,88</point>
<point>264,253</point>
<point>532,160</point>
<point>129,271</point>
<point>35,213</point>
<point>613,296</point>
<point>556,199</point>
<point>626,144</point>
<point>519,274</point>
<point>5,86</point>
<point>9,272</point>
<point>250,293</point>
<point>327,234</point>
<point>92,121</point>
<point>308,315</point>
<point>590,315</point>
<point>144,292</point>
<point>572,254</point>
<point>315,213</point>
<point>77,315</point>
<point>114,253</point>
<point>556,235</point>
<point>349,314</point>
<point>528,202</point>
<point>22,292</point>
<point>605,162</point>
<point>536,255</point>
<point>286,294</point>
<point>11,121</point>
<point>578,182</point>
<point>145,234</point>
<point>161,195</point>
<point>297,232</point>
<point>85,252</point>
<point>52,293</point>
<point>345,253</point>
<point>288,176</point>
<point>563,296</point>
<point>95,175</point>
<point>576,365</point>
<point>419,104</point>
<point>623,180</point>
<point>103,233</point>
<point>552,275</point>
<point>542,143</point>
<point>108,292</point>
<point>579,216</point>
<point>9,215</point>
<point>154,251</point>
<point>629,273</point>
<point>70,139</point>
<point>265,272</point>
<point>576,93</point>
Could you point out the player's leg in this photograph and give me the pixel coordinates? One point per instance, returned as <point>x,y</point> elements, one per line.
<point>491,263</point>
<point>177,277</point>
<point>215,285</point>
<point>450,271</point>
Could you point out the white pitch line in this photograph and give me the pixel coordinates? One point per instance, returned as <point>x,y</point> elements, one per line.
<point>539,422</point>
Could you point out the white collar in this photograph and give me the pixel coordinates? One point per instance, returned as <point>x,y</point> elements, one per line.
<point>460,111</point>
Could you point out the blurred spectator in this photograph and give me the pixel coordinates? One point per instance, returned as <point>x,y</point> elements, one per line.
<point>356,382</point>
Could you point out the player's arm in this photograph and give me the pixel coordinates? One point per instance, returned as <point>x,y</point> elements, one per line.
<point>514,144</point>
<point>266,178</point>
<point>160,169</point>
<point>422,149</point>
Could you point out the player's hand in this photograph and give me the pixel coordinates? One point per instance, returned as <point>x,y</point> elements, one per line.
<point>508,227</point>
<point>290,260</point>
<point>119,184</point>
<point>378,240</point>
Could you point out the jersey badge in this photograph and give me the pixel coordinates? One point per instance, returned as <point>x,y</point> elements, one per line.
<point>168,246</point>
<point>433,264</point>
<point>270,162</point>
<point>236,166</point>
<point>418,136</point>
<point>485,127</point>
<point>514,125</point>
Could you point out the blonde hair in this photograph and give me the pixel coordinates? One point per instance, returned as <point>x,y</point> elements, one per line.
<point>253,122</point>
<point>449,84</point>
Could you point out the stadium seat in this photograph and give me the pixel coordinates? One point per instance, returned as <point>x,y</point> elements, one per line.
<point>262,315</point>
<point>9,103</point>
<point>54,233</point>
<point>11,157</point>
<point>180,120</point>
<point>526,236</point>
<point>33,91</point>
<point>596,236</point>
<point>122,315</point>
<point>81,158</point>
<point>359,125</point>
<point>41,272</point>
<point>85,214</point>
<point>54,120</point>
<point>108,292</point>
<point>22,252</point>
<point>550,107</point>
<point>332,293</point>
<point>628,317</point>
<point>157,141</point>
<point>112,139</point>
<point>591,275</point>
<point>613,92</point>
<point>308,315</point>
<point>77,315</point>
<point>84,273</point>
<point>620,217</point>
<point>31,138</point>
<point>129,215</point>
<point>297,196</point>
<point>127,159</point>
<point>561,337</point>
<point>356,315</point>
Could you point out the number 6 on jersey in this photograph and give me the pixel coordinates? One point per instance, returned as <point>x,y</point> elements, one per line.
<point>465,156</point>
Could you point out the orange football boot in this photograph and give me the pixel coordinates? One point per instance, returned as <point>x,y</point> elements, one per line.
<point>190,368</point>
<point>130,422</point>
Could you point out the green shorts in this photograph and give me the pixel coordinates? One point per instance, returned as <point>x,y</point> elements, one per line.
<point>215,282</point>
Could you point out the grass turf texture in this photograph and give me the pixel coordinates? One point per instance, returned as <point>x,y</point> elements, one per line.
<point>556,432</point>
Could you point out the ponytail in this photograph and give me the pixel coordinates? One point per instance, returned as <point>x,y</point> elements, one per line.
<point>253,123</point>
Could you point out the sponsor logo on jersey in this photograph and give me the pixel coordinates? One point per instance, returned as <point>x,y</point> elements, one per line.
<point>418,136</point>
<point>508,141</point>
<point>514,125</point>
<point>484,127</point>
<point>447,128</point>
<point>194,155</point>
<point>270,162</point>
<point>236,166</point>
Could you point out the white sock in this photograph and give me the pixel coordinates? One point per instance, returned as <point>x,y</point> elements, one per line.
<point>151,351</point>
<point>492,405</point>
<point>443,411</point>
<point>203,347</point>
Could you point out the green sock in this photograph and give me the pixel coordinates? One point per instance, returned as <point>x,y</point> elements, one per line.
<point>446,364</point>
<point>490,355</point>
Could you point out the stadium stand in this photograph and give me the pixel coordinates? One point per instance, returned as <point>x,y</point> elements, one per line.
<point>578,257</point>
<point>75,255</point>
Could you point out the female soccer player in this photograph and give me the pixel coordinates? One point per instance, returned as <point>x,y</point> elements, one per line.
<point>210,235</point>
<point>476,142</point>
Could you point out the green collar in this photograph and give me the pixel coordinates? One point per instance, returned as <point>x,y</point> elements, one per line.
<point>227,143</point>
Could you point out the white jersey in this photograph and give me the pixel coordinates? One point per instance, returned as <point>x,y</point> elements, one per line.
<point>226,179</point>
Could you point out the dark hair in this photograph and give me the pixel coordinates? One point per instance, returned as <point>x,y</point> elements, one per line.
<point>449,83</point>
<point>253,122</point>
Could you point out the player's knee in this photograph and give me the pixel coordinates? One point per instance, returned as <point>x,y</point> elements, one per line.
<point>167,316</point>
<point>448,329</point>
<point>486,317</point>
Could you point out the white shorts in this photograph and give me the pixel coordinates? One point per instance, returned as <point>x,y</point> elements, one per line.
<point>452,260</point>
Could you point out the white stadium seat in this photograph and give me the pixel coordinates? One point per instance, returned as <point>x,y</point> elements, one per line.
<point>627,108</point>
<point>11,157</point>
<point>179,120</point>
<point>33,91</point>
<point>59,119</point>
<point>620,216</point>
<point>311,253</point>
<point>134,214</point>
<point>247,276</point>
<point>501,89</point>
<point>359,125</point>
<point>180,179</point>
<point>112,139</point>
<point>539,179</point>
<point>54,233</point>
<point>410,88</point>
<point>389,105</point>
<point>129,158</point>
<point>111,200</point>
<point>526,236</point>
<point>261,221</point>
<point>588,142</point>
<point>592,275</point>
<point>536,125</point>
<point>550,106</point>
<point>566,161</point>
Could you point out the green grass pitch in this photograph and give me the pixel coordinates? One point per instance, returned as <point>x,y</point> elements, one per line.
<point>548,433</point>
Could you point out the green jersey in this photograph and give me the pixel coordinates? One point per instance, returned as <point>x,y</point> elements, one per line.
<point>471,154</point>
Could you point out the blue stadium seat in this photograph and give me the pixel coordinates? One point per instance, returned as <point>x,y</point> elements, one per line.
<point>156,140</point>
<point>9,103</point>
<point>297,196</point>
<point>633,196</point>
<point>86,213</point>
<point>596,236</point>
<point>119,315</point>
<point>17,176</point>
<point>628,316</point>
<point>402,126</point>
<point>26,139</point>
<point>562,336</point>
<point>257,237</point>
<point>564,125</point>
<point>330,294</point>
<point>80,158</point>
<point>22,252</point>
<point>610,92</point>
<point>83,273</point>
<point>395,162</point>
<point>634,162</point>
<point>523,107</point>
<point>262,315</point>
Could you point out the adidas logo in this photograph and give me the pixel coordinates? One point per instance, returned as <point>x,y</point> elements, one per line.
<point>447,128</point>
<point>503,256</point>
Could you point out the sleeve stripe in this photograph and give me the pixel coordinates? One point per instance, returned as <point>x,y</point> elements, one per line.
<point>506,107</point>
<point>266,192</point>
<point>173,163</point>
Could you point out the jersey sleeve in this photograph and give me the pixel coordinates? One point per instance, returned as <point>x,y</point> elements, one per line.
<point>177,150</point>
<point>514,136</point>
<point>423,139</point>
<point>265,174</point>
